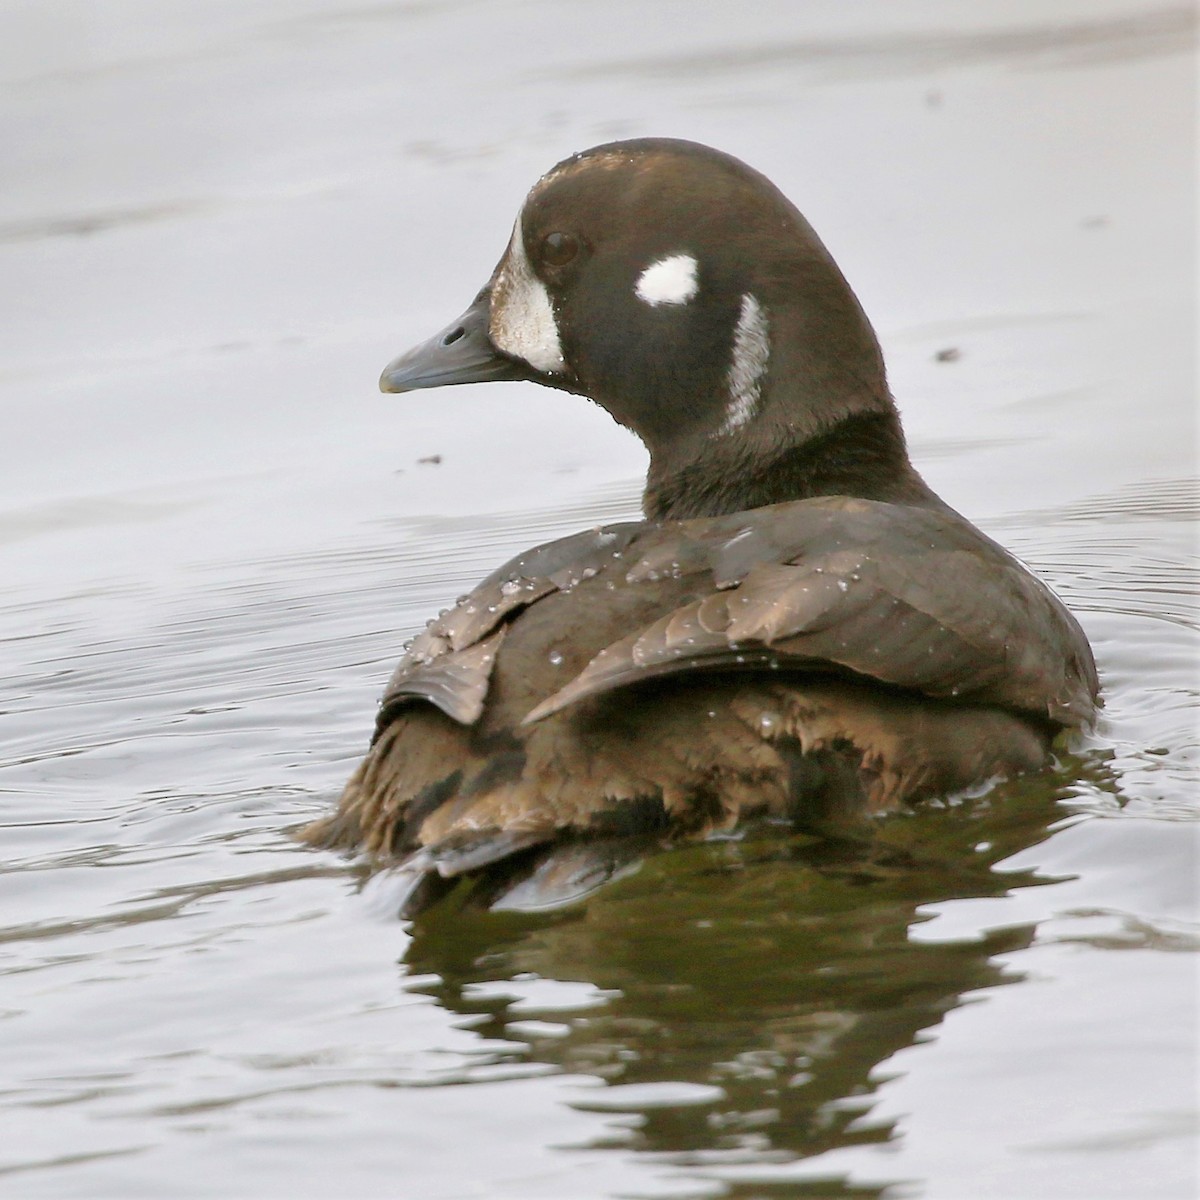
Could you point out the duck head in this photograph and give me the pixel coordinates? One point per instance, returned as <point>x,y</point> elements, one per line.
<point>683,292</point>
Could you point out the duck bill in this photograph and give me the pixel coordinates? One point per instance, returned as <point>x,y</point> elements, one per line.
<point>460,353</point>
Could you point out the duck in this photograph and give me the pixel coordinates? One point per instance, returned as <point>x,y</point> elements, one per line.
<point>799,631</point>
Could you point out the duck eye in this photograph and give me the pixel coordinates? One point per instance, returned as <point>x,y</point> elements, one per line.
<point>557,249</point>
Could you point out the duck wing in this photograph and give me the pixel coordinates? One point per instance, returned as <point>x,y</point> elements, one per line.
<point>914,598</point>
<point>450,664</point>
<point>911,597</point>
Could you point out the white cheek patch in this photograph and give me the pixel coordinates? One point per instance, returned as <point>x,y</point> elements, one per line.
<point>751,353</point>
<point>668,281</point>
<point>522,320</point>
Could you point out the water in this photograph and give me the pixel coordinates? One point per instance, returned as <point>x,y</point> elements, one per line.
<point>217,226</point>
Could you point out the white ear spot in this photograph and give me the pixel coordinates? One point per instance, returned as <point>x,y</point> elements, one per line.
<point>668,281</point>
<point>522,320</point>
<point>751,353</point>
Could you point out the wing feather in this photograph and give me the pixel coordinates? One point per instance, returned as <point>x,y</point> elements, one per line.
<point>912,598</point>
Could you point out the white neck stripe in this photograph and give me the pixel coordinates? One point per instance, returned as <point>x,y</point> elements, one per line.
<point>751,353</point>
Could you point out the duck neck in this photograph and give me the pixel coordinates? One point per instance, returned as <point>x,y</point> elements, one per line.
<point>863,455</point>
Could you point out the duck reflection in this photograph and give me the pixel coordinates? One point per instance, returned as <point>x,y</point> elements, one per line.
<point>776,968</point>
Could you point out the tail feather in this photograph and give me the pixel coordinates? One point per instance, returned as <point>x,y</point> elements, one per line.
<point>434,801</point>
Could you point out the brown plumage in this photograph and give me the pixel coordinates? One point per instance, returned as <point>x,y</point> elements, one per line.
<point>819,639</point>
